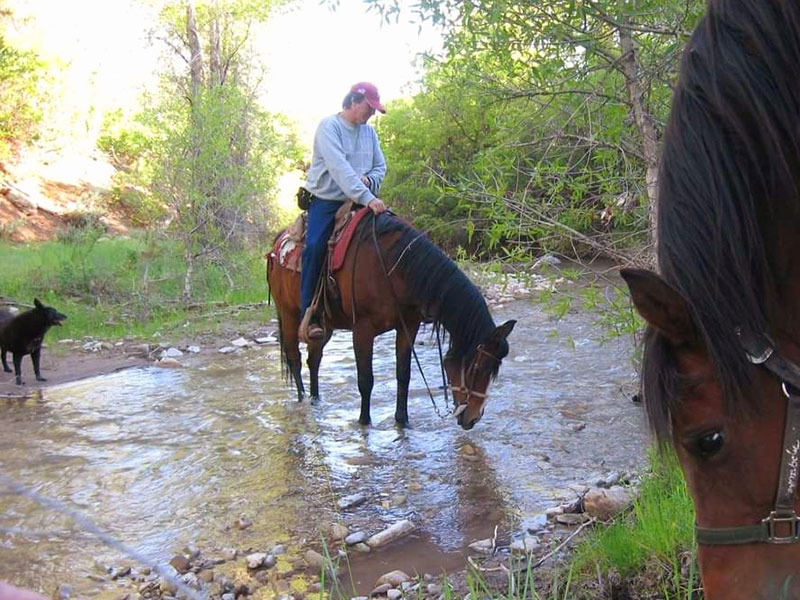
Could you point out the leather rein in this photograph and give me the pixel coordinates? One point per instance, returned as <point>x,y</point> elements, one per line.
<point>781,525</point>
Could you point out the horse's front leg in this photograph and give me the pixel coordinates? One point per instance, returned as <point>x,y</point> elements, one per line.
<point>404,344</point>
<point>363,338</point>
<point>315,349</point>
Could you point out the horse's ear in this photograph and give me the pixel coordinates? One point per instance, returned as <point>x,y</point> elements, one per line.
<point>37,304</point>
<point>504,329</point>
<point>660,305</point>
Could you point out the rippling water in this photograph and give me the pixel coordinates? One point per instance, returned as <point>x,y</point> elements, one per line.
<point>161,458</point>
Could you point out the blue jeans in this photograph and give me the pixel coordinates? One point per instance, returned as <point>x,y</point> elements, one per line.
<point>321,216</point>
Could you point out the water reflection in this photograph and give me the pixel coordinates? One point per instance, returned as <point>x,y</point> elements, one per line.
<point>161,458</point>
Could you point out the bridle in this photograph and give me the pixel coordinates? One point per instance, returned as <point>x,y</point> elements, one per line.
<point>781,525</point>
<point>466,388</point>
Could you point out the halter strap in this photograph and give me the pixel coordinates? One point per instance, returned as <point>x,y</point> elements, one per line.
<point>781,525</point>
<point>462,406</point>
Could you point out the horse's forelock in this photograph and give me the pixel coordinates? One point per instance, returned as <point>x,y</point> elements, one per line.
<point>729,176</point>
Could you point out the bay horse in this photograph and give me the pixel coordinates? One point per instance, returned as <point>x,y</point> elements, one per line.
<point>720,371</point>
<point>393,277</point>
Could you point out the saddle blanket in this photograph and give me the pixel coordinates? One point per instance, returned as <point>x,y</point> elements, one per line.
<point>288,247</point>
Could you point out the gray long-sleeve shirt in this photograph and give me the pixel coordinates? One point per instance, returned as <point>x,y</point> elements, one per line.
<point>342,154</point>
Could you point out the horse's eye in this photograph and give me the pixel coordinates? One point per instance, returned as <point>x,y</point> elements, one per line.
<point>708,444</point>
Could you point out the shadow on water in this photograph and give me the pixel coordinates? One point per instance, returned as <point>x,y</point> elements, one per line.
<point>163,458</point>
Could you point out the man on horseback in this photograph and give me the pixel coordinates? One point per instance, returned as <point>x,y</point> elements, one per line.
<point>347,163</point>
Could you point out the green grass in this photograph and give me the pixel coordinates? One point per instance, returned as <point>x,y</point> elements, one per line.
<point>116,287</point>
<point>658,531</point>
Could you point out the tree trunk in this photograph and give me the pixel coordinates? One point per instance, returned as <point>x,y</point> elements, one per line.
<point>644,124</point>
<point>214,61</point>
<point>187,280</point>
<point>196,62</point>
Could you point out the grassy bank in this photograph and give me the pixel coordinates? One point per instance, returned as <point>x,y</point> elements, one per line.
<point>116,287</point>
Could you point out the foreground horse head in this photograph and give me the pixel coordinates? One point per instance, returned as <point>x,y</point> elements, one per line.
<point>470,375</point>
<point>719,371</point>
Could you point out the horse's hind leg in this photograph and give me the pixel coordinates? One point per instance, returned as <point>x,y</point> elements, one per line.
<point>314,359</point>
<point>290,346</point>
<point>403,346</point>
<point>363,337</point>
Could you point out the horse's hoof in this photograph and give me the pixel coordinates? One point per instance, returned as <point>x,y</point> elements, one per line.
<point>7,370</point>
<point>313,400</point>
<point>364,421</point>
<point>402,423</point>
<point>41,379</point>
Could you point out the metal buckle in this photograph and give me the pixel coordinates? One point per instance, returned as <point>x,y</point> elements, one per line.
<point>776,518</point>
<point>751,348</point>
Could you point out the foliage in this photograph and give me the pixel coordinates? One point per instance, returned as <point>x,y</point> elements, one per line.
<point>202,157</point>
<point>529,132</point>
<point>659,528</point>
<point>20,74</point>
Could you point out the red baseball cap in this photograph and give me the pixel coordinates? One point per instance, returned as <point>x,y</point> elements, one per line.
<point>371,94</point>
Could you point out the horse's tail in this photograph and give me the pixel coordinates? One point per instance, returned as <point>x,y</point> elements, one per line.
<point>287,373</point>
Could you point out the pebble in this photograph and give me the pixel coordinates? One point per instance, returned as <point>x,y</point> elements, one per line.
<point>171,352</point>
<point>63,592</point>
<point>482,546</point>
<point>394,594</point>
<point>242,523</point>
<point>362,547</point>
<point>227,350</point>
<point>255,560</point>
<point>391,533</point>
<point>351,501</point>
<point>338,532</point>
<point>270,339</point>
<point>573,518</point>
<point>169,363</point>
<point>356,538</point>
<point>314,559</point>
<point>393,578</point>
<point>278,549</point>
<point>180,563</point>
<point>193,349</point>
<point>240,343</point>
<point>381,589</point>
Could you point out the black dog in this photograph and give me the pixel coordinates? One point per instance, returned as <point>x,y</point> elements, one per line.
<point>23,335</point>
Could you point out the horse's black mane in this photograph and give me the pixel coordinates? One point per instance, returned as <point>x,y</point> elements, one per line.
<point>448,296</point>
<point>728,185</point>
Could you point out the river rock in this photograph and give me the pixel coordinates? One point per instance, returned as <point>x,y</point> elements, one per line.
<point>240,343</point>
<point>171,352</point>
<point>482,546</point>
<point>572,518</point>
<point>399,499</point>
<point>63,592</point>
<point>394,594</point>
<point>351,501</point>
<point>604,504</point>
<point>391,533</point>
<point>278,549</point>
<point>193,349</point>
<point>338,532</point>
<point>393,578</point>
<point>180,563</point>
<point>242,523</point>
<point>468,449</point>
<point>356,538</point>
<point>528,543</point>
<point>169,363</point>
<point>255,560</point>
<point>314,559</point>
<point>269,339</point>
<point>227,350</point>
<point>381,589</point>
<point>362,547</point>
<point>229,553</point>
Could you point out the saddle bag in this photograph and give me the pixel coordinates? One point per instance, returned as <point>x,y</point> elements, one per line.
<point>304,198</point>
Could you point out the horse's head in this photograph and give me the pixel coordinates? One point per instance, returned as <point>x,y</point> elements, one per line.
<point>469,379</point>
<point>731,458</point>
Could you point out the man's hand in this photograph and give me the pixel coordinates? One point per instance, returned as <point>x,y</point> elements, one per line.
<point>365,180</point>
<point>377,206</point>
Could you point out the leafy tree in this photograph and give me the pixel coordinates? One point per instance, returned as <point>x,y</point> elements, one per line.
<point>556,109</point>
<point>203,148</point>
<point>20,75</point>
